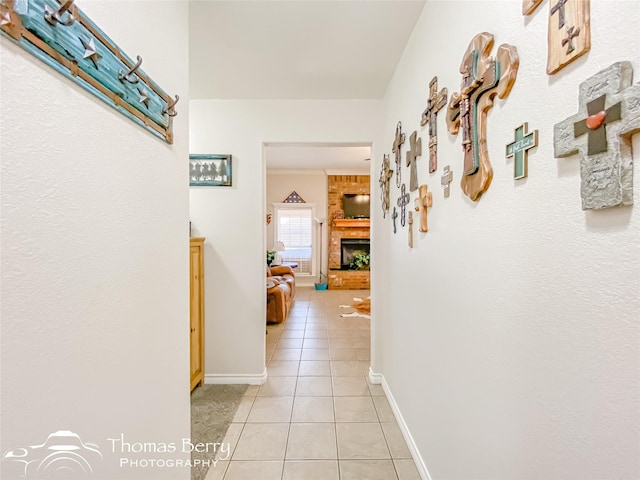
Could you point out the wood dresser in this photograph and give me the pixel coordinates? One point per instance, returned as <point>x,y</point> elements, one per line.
<point>196,282</point>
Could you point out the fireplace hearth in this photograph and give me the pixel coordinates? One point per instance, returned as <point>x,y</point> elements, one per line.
<point>349,248</point>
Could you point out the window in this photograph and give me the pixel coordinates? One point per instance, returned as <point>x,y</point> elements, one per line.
<point>294,228</point>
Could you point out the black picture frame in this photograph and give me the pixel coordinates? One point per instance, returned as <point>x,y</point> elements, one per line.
<point>210,170</point>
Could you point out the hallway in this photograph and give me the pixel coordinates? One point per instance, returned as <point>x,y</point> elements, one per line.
<point>317,416</point>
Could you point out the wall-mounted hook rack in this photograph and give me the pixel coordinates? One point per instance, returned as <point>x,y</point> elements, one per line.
<point>86,55</point>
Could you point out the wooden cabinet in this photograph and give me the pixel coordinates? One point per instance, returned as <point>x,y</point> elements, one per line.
<point>196,282</point>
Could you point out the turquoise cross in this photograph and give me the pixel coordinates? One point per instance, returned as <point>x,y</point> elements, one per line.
<point>519,150</point>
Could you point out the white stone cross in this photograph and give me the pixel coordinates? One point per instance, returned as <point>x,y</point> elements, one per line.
<point>602,138</point>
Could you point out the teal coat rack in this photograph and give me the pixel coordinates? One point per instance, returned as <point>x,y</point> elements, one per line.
<point>64,38</point>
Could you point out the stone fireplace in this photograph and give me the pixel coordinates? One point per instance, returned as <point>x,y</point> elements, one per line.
<point>352,232</point>
<point>349,248</point>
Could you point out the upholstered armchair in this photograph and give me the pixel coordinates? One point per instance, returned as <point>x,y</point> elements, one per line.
<point>281,286</point>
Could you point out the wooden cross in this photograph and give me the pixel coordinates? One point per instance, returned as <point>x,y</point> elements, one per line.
<point>529,6</point>
<point>482,79</point>
<point>572,19</point>
<point>394,215</point>
<point>571,34</point>
<point>519,150</point>
<point>397,145</point>
<point>445,180</point>
<point>410,229</point>
<point>424,201</point>
<point>609,114</point>
<point>430,115</point>
<point>412,157</point>
<point>403,201</point>
<point>385,177</point>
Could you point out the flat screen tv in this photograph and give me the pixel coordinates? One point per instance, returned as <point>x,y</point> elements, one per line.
<point>355,205</point>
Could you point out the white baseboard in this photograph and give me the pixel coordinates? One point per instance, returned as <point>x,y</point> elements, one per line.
<point>378,379</point>
<point>375,378</point>
<point>238,378</point>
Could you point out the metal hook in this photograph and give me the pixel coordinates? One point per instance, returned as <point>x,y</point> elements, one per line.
<point>170,110</point>
<point>122,76</point>
<point>55,17</point>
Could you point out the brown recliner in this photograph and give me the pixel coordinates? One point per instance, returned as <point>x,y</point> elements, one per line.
<point>281,294</point>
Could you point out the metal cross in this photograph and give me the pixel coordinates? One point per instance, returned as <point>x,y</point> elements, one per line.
<point>519,150</point>
<point>445,181</point>
<point>397,145</point>
<point>385,176</point>
<point>403,201</point>
<point>430,115</point>
<point>571,34</point>
<point>394,215</point>
<point>559,7</point>
<point>410,229</point>
<point>412,158</point>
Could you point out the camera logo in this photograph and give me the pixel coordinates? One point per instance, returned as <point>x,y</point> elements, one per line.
<point>63,455</point>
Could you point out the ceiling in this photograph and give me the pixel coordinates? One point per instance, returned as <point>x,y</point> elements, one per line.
<point>282,156</point>
<point>297,49</point>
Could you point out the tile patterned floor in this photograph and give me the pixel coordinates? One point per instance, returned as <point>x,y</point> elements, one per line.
<point>317,417</point>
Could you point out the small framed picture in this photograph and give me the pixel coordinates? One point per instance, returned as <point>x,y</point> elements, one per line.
<point>210,170</point>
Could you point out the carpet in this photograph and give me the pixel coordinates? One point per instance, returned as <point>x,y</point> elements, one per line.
<point>212,410</point>
<point>362,306</point>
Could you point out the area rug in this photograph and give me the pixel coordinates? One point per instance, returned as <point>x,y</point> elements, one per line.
<point>362,306</point>
<point>212,410</point>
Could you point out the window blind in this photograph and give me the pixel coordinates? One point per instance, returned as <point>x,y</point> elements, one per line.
<point>295,230</point>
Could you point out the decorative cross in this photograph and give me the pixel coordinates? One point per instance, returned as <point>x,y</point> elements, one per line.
<point>385,176</point>
<point>403,201</point>
<point>397,145</point>
<point>412,157</point>
<point>482,79</point>
<point>445,181</point>
<point>394,215</point>
<point>606,158</point>
<point>529,6</point>
<point>410,229</point>
<point>571,34</point>
<point>430,115</point>
<point>519,150</point>
<point>558,7</point>
<point>570,37</point>
<point>424,201</point>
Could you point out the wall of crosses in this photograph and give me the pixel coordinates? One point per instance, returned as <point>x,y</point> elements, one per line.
<point>608,115</point>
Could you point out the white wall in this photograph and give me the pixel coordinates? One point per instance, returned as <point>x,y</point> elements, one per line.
<point>509,334</point>
<point>312,187</point>
<point>233,219</point>
<point>95,310</point>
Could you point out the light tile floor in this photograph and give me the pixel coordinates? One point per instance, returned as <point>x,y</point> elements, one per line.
<point>317,417</point>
